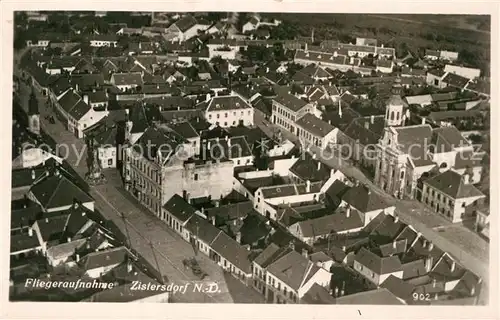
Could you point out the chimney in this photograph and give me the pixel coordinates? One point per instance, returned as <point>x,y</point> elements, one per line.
<point>367,125</point>
<point>314,156</point>
<point>33,175</point>
<point>396,219</point>
<point>238,237</point>
<point>344,248</point>
<point>472,290</point>
<point>394,244</point>
<point>203,210</point>
<point>434,282</point>
<point>336,291</point>
<point>308,186</point>
<point>46,220</point>
<point>30,231</point>
<point>453,266</point>
<point>466,178</point>
<point>319,165</point>
<point>217,203</point>
<point>305,253</point>
<point>129,267</point>
<point>86,98</point>
<point>291,245</point>
<point>207,97</point>
<point>69,239</point>
<point>77,257</point>
<point>423,120</point>
<point>348,211</point>
<point>372,119</point>
<point>267,70</point>
<point>428,263</point>
<point>431,246</point>
<point>213,220</point>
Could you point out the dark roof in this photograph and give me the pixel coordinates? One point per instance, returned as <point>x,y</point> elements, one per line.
<point>315,125</point>
<point>398,287</point>
<point>155,140</point>
<point>378,264</point>
<point>234,147</point>
<point>337,189</point>
<point>232,251</point>
<point>221,103</point>
<point>269,255</point>
<point>26,177</point>
<point>307,168</point>
<point>105,258</point>
<point>185,129</point>
<point>185,23</point>
<point>455,80</point>
<point>290,190</point>
<point>79,110</point>
<point>57,191</point>
<point>292,268</point>
<point>107,136</point>
<point>25,216</point>
<point>412,136</point>
<point>69,100</point>
<point>366,131</point>
<point>364,199</point>
<point>133,78</point>
<point>202,229</point>
<point>453,184</point>
<point>179,208</point>
<point>333,223</point>
<point>52,228</point>
<point>23,241</point>
<point>414,269</point>
<point>290,101</point>
<point>317,295</point>
<point>380,296</point>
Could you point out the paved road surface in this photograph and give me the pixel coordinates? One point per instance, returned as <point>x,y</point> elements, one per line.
<point>150,237</point>
<point>463,244</point>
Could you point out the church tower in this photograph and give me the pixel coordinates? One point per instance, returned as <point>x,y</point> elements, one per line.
<point>396,109</point>
<point>33,115</point>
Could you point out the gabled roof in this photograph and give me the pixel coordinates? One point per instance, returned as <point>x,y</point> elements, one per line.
<point>366,131</point>
<point>104,258</point>
<point>290,101</point>
<point>452,184</point>
<point>222,103</point>
<point>185,23</point>
<point>122,79</point>
<point>232,251</point>
<point>364,199</point>
<point>293,269</point>
<point>446,139</point>
<point>23,241</point>
<point>412,141</point>
<point>378,264</point>
<point>455,80</point>
<point>179,208</point>
<point>202,229</point>
<point>398,287</point>
<point>269,255</point>
<point>333,223</point>
<point>317,295</point>
<point>380,296</point>
<point>79,110</point>
<point>57,191</point>
<point>315,125</point>
<point>185,129</point>
<point>307,168</point>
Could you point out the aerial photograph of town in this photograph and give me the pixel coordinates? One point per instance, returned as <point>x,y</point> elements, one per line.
<point>250,157</point>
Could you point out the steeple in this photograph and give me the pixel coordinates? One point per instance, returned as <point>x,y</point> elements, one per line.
<point>33,114</point>
<point>395,114</point>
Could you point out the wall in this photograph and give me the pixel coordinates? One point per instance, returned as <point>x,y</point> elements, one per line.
<point>199,181</point>
<point>107,157</point>
<point>282,166</point>
<point>321,277</point>
<point>228,118</point>
<point>97,272</point>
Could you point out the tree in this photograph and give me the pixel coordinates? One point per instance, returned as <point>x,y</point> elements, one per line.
<point>476,138</point>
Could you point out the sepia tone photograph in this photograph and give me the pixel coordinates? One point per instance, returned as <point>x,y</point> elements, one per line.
<point>250,158</point>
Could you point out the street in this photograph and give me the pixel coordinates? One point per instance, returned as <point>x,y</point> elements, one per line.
<point>147,235</point>
<point>467,247</point>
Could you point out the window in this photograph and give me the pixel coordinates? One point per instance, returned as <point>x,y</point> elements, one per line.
<point>218,116</point>
<point>234,123</point>
<point>225,124</point>
<point>225,115</point>
<point>463,205</point>
<point>436,82</point>
<point>249,112</point>
<point>439,196</point>
<point>195,177</point>
<point>110,162</point>
<point>402,175</point>
<point>234,113</point>
<point>279,286</point>
<point>209,117</point>
<point>373,274</point>
<point>238,162</point>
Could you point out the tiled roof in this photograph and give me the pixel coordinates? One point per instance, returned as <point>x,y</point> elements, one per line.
<point>105,258</point>
<point>333,223</point>
<point>185,23</point>
<point>179,208</point>
<point>185,129</point>
<point>447,138</point>
<point>452,184</point>
<point>79,110</point>
<point>222,103</point>
<point>52,228</point>
<point>363,199</point>
<point>306,168</point>
<point>69,100</point>
<point>232,251</point>
<point>398,287</point>
<point>202,229</point>
<point>121,79</point>
<point>315,125</point>
<point>290,101</point>
<point>455,80</point>
<point>57,191</point>
<point>26,177</point>
<point>292,269</point>
<point>377,264</point>
<point>26,216</point>
<point>394,248</point>
<point>268,255</point>
<point>317,295</point>
<point>414,269</point>
<point>289,190</point>
<point>380,296</point>
<point>23,241</point>
<point>413,139</point>
<point>365,131</point>
<point>468,158</point>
